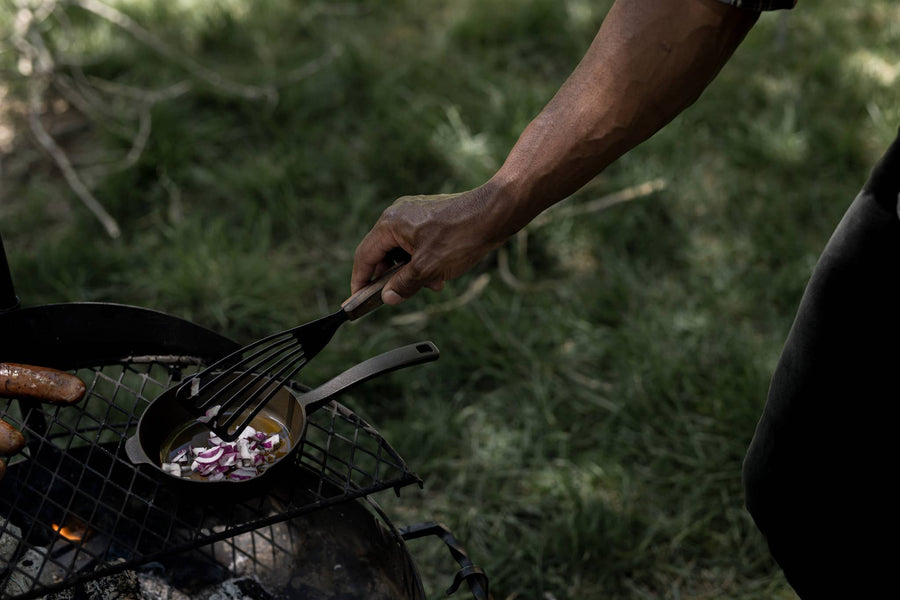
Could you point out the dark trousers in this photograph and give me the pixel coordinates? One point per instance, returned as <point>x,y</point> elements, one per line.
<point>822,470</point>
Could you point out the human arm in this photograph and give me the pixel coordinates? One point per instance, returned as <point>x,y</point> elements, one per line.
<point>650,60</point>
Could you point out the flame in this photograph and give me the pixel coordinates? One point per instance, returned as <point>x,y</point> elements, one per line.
<point>74,532</point>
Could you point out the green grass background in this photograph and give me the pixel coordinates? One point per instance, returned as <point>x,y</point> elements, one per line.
<point>583,431</point>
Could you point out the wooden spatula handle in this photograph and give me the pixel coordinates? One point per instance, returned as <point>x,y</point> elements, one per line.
<point>369,298</point>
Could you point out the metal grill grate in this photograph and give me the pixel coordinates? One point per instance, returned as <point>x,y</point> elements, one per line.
<point>74,479</point>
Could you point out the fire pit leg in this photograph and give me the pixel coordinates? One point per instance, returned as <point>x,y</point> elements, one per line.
<point>469,572</point>
<point>8,299</point>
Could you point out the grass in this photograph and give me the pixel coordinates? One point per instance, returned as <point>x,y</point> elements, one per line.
<point>582,435</point>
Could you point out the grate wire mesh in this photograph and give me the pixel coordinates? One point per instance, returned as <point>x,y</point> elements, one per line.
<point>73,508</point>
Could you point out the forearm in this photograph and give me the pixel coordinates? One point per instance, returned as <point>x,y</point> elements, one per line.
<point>650,60</point>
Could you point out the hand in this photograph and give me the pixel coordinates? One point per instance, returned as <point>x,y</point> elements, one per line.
<point>649,61</point>
<point>445,236</point>
<point>33,383</point>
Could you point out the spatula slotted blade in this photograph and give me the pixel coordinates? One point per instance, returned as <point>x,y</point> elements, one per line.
<point>231,391</point>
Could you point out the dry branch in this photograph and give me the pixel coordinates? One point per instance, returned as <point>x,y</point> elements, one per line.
<point>39,67</point>
<point>476,287</point>
<point>36,62</point>
<point>503,267</point>
<point>211,77</point>
<point>69,173</point>
<point>565,211</point>
<point>506,275</point>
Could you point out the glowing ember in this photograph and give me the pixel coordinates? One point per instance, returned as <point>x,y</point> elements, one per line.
<point>74,532</point>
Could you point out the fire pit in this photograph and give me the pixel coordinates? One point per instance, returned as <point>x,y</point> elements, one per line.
<point>75,511</point>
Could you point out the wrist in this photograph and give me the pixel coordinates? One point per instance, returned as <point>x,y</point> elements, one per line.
<point>506,205</point>
<point>530,182</point>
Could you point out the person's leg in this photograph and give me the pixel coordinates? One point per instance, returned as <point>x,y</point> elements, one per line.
<point>819,472</point>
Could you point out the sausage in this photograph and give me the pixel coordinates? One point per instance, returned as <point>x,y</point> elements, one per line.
<point>40,383</point>
<point>11,441</point>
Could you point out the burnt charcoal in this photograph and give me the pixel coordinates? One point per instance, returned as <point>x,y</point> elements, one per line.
<point>10,537</point>
<point>27,572</point>
<point>242,589</point>
<point>121,586</point>
<point>156,588</point>
<point>191,574</point>
<point>307,592</point>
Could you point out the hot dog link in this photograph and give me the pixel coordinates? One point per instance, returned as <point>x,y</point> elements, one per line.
<point>40,383</point>
<point>11,441</point>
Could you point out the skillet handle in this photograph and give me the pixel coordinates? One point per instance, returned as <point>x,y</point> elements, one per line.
<point>398,358</point>
<point>469,571</point>
<point>135,453</point>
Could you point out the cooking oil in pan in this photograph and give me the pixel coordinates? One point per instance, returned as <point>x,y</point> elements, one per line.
<point>196,435</point>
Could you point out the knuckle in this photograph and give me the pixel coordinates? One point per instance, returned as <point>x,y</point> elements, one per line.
<point>391,216</point>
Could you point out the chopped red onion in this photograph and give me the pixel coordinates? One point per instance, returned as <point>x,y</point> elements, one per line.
<point>210,456</point>
<point>239,460</point>
<point>247,432</point>
<point>244,449</point>
<point>212,412</point>
<point>242,474</point>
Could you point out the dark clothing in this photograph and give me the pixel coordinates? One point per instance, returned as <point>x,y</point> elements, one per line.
<point>819,475</point>
<point>760,5</point>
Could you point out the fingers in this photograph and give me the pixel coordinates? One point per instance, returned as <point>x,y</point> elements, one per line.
<point>391,296</point>
<point>369,260</point>
<point>407,282</point>
<point>443,234</point>
<point>404,284</point>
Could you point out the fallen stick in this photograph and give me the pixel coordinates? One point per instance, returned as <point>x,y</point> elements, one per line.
<point>563,211</point>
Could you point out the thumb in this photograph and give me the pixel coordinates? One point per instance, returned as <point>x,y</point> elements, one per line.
<point>404,284</point>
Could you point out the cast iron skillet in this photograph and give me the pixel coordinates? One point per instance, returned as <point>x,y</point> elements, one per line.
<point>166,423</point>
<point>80,335</point>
